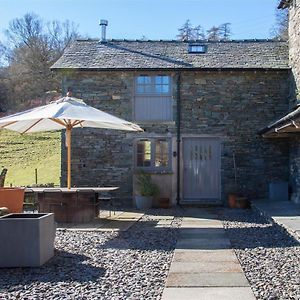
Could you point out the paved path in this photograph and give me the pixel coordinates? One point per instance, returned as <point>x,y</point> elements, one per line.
<point>204,266</point>
<point>284,213</point>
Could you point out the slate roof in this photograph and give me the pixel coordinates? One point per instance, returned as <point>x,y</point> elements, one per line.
<point>125,54</point>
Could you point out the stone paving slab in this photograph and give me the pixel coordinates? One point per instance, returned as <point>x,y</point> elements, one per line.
<point>284,213</point>
<point>224,279</point>
<point>165,222</point>
<point>201,233</point>
<point>211,231</point>
<point>221,255</point>
<point>206,267</point>
<point>291,223</point>
<point>212,293</point>
<point>205,243</point>
<point>162,217</point>
<point>204,224</point>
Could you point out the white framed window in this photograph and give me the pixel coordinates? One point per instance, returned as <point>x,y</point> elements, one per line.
<point>153,154</point>
<point>153,98</point>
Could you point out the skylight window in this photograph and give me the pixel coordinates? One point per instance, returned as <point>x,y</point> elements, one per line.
<point>196,48</point>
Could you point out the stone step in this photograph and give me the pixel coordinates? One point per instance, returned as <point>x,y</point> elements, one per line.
<point>204,244</point>
<point>212,293</point>
<point>221,255</point>
<point>224,279</point>
<point>202,233</point>
<point>202,224</point>
<point>205,267</point>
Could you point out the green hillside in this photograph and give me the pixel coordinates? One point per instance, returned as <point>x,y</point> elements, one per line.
<point>22,154</point>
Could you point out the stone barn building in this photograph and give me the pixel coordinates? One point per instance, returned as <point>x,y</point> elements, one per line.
<point>202,106</point>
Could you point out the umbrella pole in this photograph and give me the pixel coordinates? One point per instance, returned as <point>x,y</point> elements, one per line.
<point>68,136</point>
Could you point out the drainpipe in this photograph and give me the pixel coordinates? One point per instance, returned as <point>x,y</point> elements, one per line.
<point>178,122</point>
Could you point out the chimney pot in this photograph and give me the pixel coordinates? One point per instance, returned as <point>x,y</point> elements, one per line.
<point>103,24</point>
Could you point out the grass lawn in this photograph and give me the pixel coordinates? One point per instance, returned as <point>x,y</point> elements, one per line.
<point>22,154</point>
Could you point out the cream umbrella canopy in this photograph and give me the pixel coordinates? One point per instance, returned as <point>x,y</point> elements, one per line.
<point>65,113</point>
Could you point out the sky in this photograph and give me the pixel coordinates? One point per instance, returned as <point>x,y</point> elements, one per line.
<point>153,19</point>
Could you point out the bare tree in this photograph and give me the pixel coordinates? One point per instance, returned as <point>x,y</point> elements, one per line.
<point>25,30</point>
<point>61,35</point>
<point>3,90</point>
<point>32,46</point>
<point>186,32</point>
<point>225,31</point>
<point>280,29</point>
<point>199,33</point>
<point>213,34</point>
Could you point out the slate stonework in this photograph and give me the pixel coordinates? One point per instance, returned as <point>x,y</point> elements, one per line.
<point>294,43</point>
<point>137,54</point>
<point>294,56</point>
<point>295,169</point>
<point>234,105</point>
<point>105,157</point>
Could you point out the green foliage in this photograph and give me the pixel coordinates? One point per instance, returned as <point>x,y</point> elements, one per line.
<point>146,187</point>
<point>22,154</point>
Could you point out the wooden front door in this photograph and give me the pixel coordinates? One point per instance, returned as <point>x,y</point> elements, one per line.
<point>201,169</point>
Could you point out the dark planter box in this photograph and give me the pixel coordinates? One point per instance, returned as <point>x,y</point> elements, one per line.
<point>27,240</point>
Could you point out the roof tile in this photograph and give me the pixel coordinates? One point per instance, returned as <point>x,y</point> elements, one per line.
<point>124,54</point>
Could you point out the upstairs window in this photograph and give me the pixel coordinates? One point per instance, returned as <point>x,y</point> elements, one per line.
<point>153,154</point>
<point>153,85</point>
<point>153,98</point>
<point>197,48</point>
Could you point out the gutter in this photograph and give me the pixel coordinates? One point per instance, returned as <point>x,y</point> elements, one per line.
<point>290,119</point>
<point>178,121</point>
<point>213,69</point>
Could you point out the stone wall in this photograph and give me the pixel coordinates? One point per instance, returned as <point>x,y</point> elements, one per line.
<point>294,48</point>
<point>105,157</point>
<point>235,105</point>
<point>294,56</point>
<point>295,169</point>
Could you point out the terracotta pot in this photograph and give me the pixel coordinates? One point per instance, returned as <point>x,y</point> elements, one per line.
<point>232,200</point>
<point>164,202</point>
<point>12,198</point>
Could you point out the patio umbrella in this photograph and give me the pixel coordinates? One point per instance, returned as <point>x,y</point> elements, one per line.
<point>65,113</point>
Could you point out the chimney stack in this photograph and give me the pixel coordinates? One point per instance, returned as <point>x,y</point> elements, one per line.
<point>103,24</point>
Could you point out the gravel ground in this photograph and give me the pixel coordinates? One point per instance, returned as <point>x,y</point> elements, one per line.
<point>270,257</point>
<point>100,265</point>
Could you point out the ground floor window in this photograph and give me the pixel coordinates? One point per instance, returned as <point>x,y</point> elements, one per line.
<point>153,153</point>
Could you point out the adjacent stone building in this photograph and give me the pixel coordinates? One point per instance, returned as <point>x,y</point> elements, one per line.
<point>201,105</point>
<point>288,126</point>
